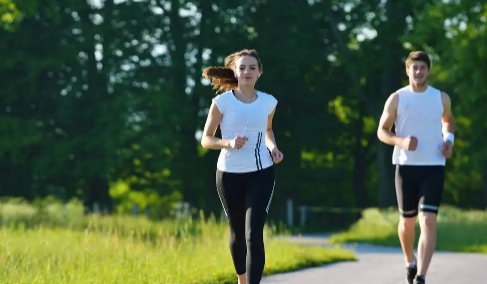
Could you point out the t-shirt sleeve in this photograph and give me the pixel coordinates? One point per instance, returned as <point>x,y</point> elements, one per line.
<point>272,103</point>
<point>221,102</point>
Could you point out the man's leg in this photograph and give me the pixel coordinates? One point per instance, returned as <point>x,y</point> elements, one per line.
<point>407,200</point>
<point>431,192</point>
<point>427,241</point>
<point>406,234</point>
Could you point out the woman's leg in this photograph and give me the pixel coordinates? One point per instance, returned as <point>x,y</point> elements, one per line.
<point>258,198</point>
<point>230,187</point>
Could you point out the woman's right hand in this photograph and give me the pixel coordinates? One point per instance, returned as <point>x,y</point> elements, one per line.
<point>238,142</point>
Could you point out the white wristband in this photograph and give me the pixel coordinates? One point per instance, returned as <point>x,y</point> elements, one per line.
<point>449,137</point>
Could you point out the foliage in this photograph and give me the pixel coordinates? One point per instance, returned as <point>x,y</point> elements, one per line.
<point>100,96</point>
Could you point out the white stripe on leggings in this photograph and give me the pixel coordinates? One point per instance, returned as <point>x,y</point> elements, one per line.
<point>270,199</point>
<point>223,204</point>
<point>424,206</point>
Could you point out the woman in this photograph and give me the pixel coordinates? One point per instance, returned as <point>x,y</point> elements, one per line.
<point>245,174</point>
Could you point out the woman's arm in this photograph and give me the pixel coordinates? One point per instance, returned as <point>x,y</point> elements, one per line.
<point>208,140</point>
<point>270,140</point>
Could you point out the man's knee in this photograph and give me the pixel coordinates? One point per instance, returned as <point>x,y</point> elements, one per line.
<point>427,220</point>
<point>407,223</point>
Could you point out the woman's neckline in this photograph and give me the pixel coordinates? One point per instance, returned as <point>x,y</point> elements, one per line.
<point>245,103</point>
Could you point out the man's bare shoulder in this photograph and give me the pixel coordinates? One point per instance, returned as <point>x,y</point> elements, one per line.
<point>446,101</point>
<point>445,96</point>
<point>393,100</point>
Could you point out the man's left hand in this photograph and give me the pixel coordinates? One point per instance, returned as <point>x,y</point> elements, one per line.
<point>447,149</point>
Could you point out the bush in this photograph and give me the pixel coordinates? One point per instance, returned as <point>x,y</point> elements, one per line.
<point>458,230</point>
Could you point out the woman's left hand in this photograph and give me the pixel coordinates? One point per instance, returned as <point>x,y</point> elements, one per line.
<point>277,155</point>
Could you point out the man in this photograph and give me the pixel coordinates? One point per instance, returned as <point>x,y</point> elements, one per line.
<point>424,127</point>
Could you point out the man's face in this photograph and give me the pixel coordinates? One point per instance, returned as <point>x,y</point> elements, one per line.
<point>418,72</point>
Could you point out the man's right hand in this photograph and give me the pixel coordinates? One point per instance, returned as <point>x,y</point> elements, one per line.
<point>409,143</point>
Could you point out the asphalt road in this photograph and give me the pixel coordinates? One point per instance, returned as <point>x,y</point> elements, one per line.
<point>385,265</point>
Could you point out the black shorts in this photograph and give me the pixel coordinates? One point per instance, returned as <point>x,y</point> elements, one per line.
<point>419,188</point>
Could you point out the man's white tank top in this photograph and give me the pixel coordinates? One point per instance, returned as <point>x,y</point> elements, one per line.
<point>246,119</point>
<point>420,115</point>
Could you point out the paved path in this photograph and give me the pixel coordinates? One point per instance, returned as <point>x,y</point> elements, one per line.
<point>384,265</point>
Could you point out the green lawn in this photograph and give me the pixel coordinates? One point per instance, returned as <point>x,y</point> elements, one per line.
<point>460,231</point>
<point>59,245</point>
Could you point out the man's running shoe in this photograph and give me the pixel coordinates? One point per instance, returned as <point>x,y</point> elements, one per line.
<point>419,280</point>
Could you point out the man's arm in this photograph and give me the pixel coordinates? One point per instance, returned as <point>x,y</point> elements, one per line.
<point>387,120</point>
<point>447,120</point>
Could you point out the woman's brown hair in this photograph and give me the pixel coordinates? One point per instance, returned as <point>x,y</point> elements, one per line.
<point>223,78</point>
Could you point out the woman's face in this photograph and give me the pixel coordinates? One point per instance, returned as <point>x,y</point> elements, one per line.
<point>247,70</point>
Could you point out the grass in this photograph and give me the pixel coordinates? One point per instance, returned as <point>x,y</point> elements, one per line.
<point>458,231</point>
<point>57,244</point>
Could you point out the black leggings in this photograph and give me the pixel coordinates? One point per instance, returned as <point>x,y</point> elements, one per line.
<point>246,198</point>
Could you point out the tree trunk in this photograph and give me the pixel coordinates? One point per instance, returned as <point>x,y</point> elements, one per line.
<point>386,195</point>
<point>396,12</point>
<point>184,164</point>
<point>97,193</point>
<point>359,167</point>
<point>484,185</point>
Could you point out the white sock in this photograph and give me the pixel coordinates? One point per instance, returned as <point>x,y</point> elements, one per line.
<point>411,263</point>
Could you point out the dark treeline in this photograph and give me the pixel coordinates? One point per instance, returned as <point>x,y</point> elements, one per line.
<point>104,100</point>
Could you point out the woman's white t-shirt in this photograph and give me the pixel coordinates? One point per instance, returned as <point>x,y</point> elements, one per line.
<point>249,120</point>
